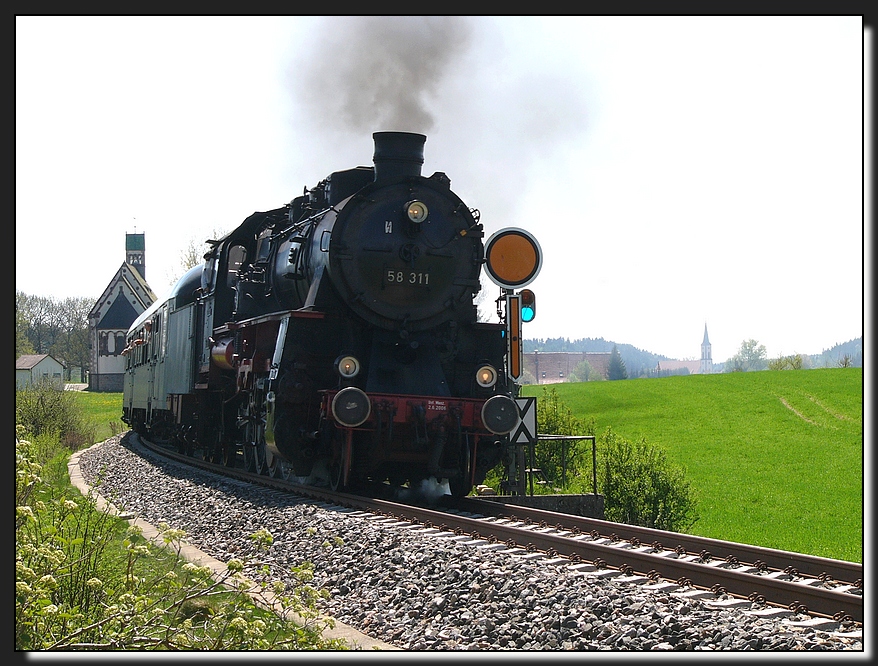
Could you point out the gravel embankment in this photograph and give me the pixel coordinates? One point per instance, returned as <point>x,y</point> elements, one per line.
<point>422,592</point>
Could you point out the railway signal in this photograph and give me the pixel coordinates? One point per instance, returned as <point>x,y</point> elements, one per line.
<point>528,305</point>
<point>513,258</point>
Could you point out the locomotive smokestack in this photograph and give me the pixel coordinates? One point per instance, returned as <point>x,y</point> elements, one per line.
<point>398,154</point>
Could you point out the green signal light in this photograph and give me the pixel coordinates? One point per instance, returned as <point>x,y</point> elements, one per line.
<point>528,305</point>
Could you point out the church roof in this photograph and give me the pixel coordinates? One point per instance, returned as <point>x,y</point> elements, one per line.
<point>126,296</point>
<point>120,314</point>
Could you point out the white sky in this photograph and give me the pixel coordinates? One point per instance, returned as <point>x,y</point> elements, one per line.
<point>677,171</point>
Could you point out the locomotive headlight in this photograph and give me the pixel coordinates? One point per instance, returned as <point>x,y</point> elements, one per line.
<point>417,211</point>
<point>486,376</point>
<point>500,414</point>
<point>351,407</point>
<point>348,366</point>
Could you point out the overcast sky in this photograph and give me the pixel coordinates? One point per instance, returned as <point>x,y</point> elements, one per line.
<point>677,171</point>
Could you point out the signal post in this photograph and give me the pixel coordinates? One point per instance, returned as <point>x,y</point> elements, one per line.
<point>513,259</point>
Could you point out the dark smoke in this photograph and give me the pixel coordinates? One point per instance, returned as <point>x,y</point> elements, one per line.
<point>370,73</point>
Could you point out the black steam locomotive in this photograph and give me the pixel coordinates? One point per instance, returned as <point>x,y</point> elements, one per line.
<point>337,337</point>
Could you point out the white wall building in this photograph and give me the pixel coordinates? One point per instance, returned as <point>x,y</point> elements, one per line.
<point>32,368</point>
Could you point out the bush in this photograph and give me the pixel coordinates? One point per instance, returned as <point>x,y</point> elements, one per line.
<point>85,580</point>
<point>641,487</point>
<point>44,409</point>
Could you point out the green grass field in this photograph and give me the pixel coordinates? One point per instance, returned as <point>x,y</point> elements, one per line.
<point>775,458</point>
<point>104,410</point>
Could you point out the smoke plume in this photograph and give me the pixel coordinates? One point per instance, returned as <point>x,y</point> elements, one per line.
<point>370,73</point>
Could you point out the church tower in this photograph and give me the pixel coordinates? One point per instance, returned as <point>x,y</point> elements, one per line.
<point>706,367</point>
<point>135,252</point>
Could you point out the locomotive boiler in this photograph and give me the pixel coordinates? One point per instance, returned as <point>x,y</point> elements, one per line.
<point>337,337</point>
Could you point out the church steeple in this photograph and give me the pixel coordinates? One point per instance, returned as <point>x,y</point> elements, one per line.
<point>706,360</point>
<point>135,252</point>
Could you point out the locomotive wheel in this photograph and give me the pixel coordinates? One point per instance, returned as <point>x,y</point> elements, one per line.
<point>224,453</point>
<point>257,460</point>
<point>460,487</point>
<point>335,474</point>
<point>230,455</point>
<point>254,457</point>
<point>279,470</point>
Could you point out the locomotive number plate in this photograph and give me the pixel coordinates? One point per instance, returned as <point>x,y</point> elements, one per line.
<point>407,277</point>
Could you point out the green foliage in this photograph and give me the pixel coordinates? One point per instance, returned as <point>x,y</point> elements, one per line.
<point>793,362</point>
<point>616,369</point>
<point>641,487</point>
<point>43,408</point>
<point>751,356</point>
<point>22,344</point>
<point>583,372</point>
<point>85,580</point>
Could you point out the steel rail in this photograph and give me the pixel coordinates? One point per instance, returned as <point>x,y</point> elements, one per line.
<point>812,565</point>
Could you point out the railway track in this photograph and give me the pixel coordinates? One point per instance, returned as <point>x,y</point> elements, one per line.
<point>765,581</point>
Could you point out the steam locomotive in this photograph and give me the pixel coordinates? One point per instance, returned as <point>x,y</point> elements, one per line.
<point>336,338</point>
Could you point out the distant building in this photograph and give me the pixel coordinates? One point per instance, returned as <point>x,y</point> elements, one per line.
<point>673,367</point>
<point>556,367</point>
<point>706,366</point>
<point>701,367</point>
<point>32,368</point>
<point>125,298</point>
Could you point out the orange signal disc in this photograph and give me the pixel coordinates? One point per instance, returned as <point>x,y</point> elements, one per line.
<point>512,258</point>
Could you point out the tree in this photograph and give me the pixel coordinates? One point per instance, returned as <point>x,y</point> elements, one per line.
<point>39,312</point>
<point>48,326</point>
<point>616,368</point>
<point>751,356</point>
<point>71,344</point>
<point>584,372</point>
<point>793,362</point>
<point>192,255</point>
<point>22,344</point>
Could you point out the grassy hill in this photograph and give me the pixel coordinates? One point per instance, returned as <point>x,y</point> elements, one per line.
<point>775,458</point>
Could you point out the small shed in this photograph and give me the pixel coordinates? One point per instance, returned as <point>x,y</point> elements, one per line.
<point>32,368</point>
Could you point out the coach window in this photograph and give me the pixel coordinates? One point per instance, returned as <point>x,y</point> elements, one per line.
<point>209,273</point>
<point>237,257</point>
<point>263,245</point>
<point>155,340</point>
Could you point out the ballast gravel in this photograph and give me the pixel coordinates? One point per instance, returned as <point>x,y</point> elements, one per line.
<point>421,591</point>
